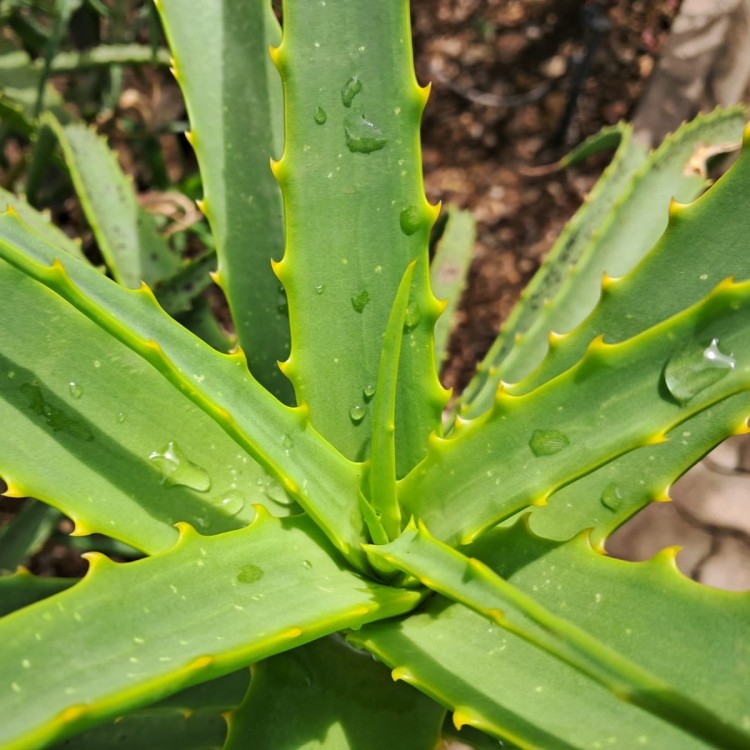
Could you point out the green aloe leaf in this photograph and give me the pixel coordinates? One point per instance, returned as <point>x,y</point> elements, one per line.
<point>542,442</point>
<point>624,217</point>
<point>356,216</point>
<point>604,499</point>
<point>233,97</point>
<point>22,588</point>
<point>93,419</point>
<point>154,730</point>
<point>125,233</point>
<point>648,612</point>
<point>326,694</point>
<point>40,224</point>
<point>471,582</point>
<point>278,437</point>
<point>25,534</point>
<point>448,272</point>
<point>199,610</point>
<point>652,292</point>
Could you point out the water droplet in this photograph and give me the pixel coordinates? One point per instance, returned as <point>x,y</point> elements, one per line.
<point>360,300</point>
<point>413,316</point>
<point>363,136</point>
<point>320,115</point>
<point>274,491</point>
<point>410,220</point>
<point>611,497</point>
<point>307,564</point>
<point>368,391</point>
<point>231,502</point>
<point>695,367</point>
<point>75,390</point>
<point>120,416</point>
<point>287,444</point>
<point>350,89</point>
<point>320,288</point>
<point>548,442</point>
<point>250,573</point>
<point>177,469</point>
<point>357,413</point>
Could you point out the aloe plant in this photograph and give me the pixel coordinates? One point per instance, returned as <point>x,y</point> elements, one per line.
<point>303,518</point>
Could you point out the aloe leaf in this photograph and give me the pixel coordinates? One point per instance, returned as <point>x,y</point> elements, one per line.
<point>280,438</point>
<point>356,216</point>
<point>541,442</point>
<point>86,410</point>
<point>221,695</point>
<point>178,293</point>
<point>448,272</point>
<point>326,694</point>
<point>105,55</point>
<point>233,97</point>
<point>648,612</point>
<point>154,730</point>
<point>201,321</point>
<point>125,233</point>
<point>382,465</point>
<point>603,500</point>
<point>25,534</point>
<point>652,292</point>
<point>22,588</point>
<point>40,224</point>
<point>199,610</point>
<point>620,223</point>
<point>471,582</point>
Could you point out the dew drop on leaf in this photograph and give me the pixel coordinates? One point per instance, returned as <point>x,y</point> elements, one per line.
<point>368,391</point>
<point>286,443</point>
<point>410,220</point>
<point>694,368</point>
<point>231,502</point>
<point>349,90</point>
<point>320,288</point>
<point>611,497</point>
<point>250,573</point>
<point>120,416</point>
<point>360,300</point>
<point>176,469</point>
<point>75,390</point>
<point>548,442</point>
<point>320,115</point>
<point>363,136</point>
<point>307,564</point>
<point>357,413</point>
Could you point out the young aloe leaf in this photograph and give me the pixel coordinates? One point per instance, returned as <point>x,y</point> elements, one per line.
<point>106,55</point>
<point>356,216</point>
<point>604,499</point>
<point>178,293</point>
<point>326,694</point>
<point>202,322</point>
<point>152,729</point>
<point>22,588</point>
<point>382,466</point>
<point>623,219</point>
<point>280,438</point>
<point>648,612</point>
<point>40,224</point>
<point>125,233</point>
<point>86,410</point>
<point>233,97</point>
<point>448,272</point>
<point>203,608</point>
<point>471,582</point>
<point>25,534</point>
<point>652,292</point>
<point>542,442</point>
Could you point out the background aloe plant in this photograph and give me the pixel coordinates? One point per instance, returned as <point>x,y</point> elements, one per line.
<point>279,509</point>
